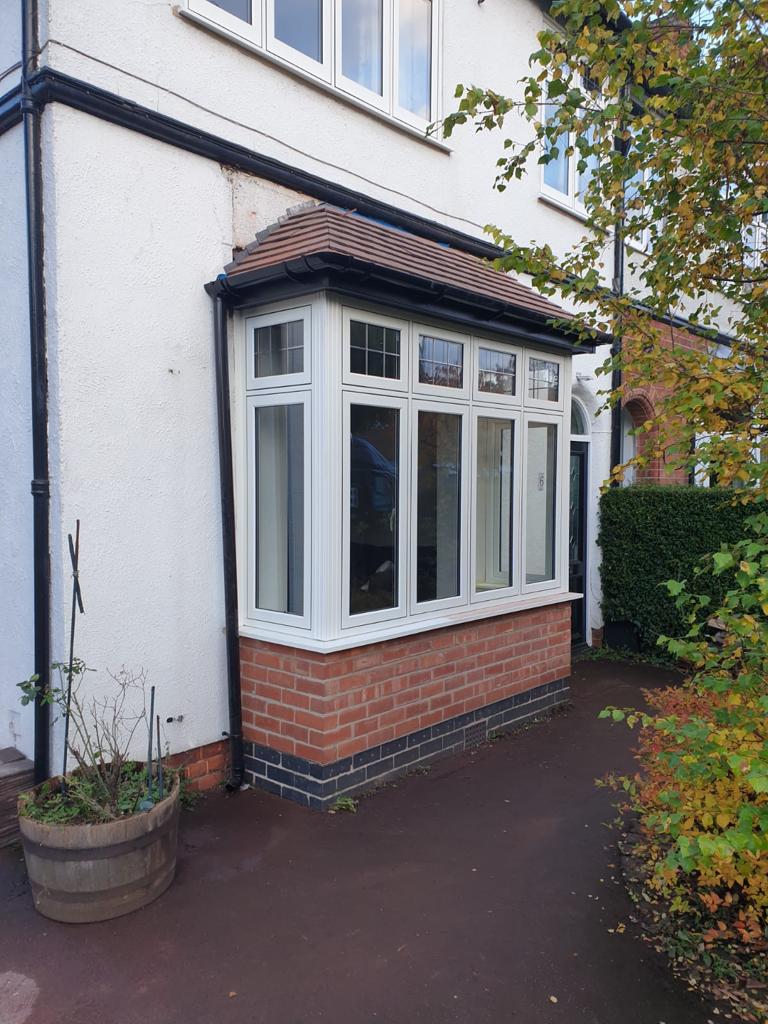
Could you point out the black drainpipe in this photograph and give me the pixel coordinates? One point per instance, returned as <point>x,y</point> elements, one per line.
<point>221,355</point>
<point>33,169</point>
<point>618,290</point>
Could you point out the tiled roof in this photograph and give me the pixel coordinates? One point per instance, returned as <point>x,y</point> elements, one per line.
<point>319,228</point>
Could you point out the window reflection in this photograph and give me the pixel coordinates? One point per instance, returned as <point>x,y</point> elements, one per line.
<point>373,508</point>
<point>438,506</point>
<point>540,502</point>
<point>299,23</point>
<point>497,372</point>
<point>543,380</point>
<point>415,56</point>
<point>441,362</point>
<point>495,464</point>
<point>361,43</point>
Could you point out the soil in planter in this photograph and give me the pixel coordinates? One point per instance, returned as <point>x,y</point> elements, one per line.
<point>76,806</point>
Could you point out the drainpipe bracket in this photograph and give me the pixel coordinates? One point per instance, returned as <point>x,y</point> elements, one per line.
<point>40,487</point>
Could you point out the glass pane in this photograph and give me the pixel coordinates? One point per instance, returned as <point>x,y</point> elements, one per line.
<point>373,508</point>
<point>279,503</point>
<point>541,468</point>
<point>278,349</point>
<point>361,43</point>
<point>441,362</point>
<point>543,380</point>
<point>415,51</point>
<point>239,8</point>
<point>438,506</point>
<point>579,424</point>
<point>587,174</point>
<point>299,23</point>
<point>558,171</point>
<point>495,466</point>
<point>374,350</point>
<point>497,372</point>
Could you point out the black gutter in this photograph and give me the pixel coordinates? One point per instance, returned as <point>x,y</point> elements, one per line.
<point>367,281</point>
<point>221,357</point>
<point>33,169</point>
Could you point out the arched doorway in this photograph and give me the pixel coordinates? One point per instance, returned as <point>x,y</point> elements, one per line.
<point>578,581</point>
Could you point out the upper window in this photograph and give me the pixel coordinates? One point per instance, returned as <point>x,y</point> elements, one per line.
<point>544,387</point>
<point>379,51</point>
<point>277,348</point>
<point>561,177</point>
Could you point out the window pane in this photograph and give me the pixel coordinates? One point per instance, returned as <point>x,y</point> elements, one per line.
<point>299,23</point>
<point>587,174</point>
<point>239,8</point>
<point>540,505</point>
<point>278,349</point>
<point>543,380</point>
<point>558,171</point>
<point>374,350</point>
<point>415,50</point>
<point>373,508</point>
<point>497,372</point>
<point>361,43</point>
<point>438,506</point>
<point>279,503</point>
<point>441,362</point>
<point>579,425</point>
<point>495,465</point>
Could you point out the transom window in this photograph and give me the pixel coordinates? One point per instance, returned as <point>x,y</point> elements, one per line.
<point>430,477</point>
<point>381,52</point>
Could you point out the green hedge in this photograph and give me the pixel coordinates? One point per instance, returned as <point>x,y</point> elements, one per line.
<point>652,534</point>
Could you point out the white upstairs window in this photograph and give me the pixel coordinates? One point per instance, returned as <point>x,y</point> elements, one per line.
<point>380,52</point>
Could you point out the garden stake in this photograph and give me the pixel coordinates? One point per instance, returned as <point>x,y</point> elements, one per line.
<point>148,803</point>
<point>159,760</point>
<point>77,603</point>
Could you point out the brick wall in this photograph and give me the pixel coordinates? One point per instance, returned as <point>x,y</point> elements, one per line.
<point>204,767</point>
<point>326,707</point>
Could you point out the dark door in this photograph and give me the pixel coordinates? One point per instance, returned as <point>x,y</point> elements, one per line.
<point>577,542</point>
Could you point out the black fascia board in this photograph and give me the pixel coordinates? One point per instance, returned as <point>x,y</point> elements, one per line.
<point>51,85</point>
<point>368,282</point>
<point>10,109</point>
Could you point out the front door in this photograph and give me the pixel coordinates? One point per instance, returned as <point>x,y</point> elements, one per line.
<point>577,541</point>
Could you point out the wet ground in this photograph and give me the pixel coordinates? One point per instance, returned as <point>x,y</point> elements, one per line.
<point>481,892</point>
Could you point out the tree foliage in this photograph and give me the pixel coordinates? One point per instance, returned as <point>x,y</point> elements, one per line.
<point>664,107</point>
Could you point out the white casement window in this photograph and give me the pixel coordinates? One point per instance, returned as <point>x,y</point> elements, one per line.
<point>381,53</point>
<point>561,179</point>
<point>429,482</point>
<point>279,508</point>
<point>756,242</point>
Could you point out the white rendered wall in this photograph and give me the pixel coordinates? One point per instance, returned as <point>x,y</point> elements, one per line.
<point>16,604</point>
<point>135,229</point>
<point>10,44</point>
<point>147,52</point>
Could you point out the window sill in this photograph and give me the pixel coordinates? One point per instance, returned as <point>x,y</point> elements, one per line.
<point>395,629</point>
<point>331,90</point>
<point>572,211</point>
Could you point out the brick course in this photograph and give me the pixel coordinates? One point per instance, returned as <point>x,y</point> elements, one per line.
<point>204,767</point>
<point>327,707</point>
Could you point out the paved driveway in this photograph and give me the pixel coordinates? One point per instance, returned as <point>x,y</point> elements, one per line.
<point>479,893</point>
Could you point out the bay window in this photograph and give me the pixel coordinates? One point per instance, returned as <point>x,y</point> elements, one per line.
<point>379,52</point>
<point>423,467</point>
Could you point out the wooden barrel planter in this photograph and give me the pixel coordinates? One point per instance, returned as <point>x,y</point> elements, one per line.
<point>82,873</point>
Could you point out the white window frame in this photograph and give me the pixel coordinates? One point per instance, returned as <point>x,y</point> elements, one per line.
<point>320,69</point>
<point>487,397</point>
<point>260,401</point>
<point>556,582</point>
<point>366,398</point>
<point>278,380</point>
<point>362,379</point>
<point>437,390</point>
<point>401,112</point>
<point>514,416</point>
<point>259,36</point>
<point>418,405</point>
<point>218,18</point>
<point>349,85</point>
<point>544,403</point>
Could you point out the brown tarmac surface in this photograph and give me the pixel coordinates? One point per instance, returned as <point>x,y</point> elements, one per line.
<point>469,895</point>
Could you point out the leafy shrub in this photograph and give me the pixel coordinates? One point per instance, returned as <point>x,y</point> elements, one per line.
<point>702,794</point>
<point>649,534</point>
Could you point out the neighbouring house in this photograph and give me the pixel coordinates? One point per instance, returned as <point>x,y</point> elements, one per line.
<point>337,477</point>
